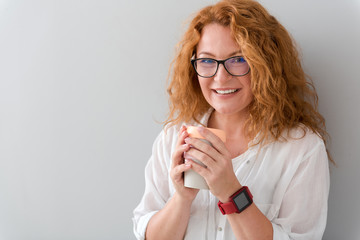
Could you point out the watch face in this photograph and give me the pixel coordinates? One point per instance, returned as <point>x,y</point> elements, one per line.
<point>242,201</point>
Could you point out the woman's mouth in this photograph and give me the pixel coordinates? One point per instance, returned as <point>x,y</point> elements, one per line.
<point>227,91</point>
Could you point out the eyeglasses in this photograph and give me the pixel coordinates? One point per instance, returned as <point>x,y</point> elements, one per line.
<point>208,67</point>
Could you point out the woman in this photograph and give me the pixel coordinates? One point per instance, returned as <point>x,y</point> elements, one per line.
<point>237,70</point>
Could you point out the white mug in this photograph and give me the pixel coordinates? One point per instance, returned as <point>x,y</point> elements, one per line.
<point>191,178</point>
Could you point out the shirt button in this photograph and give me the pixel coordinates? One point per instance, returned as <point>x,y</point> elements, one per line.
<point>219,229</point>
<point>247,162</point>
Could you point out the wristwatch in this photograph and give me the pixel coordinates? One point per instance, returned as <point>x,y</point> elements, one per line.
<point>238,202</point>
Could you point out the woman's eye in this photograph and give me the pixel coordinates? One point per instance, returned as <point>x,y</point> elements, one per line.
<point>207,61</point>
<point>238,60</point>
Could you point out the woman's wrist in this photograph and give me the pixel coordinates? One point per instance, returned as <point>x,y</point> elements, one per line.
<point>183,201</point>
<point>229,191</point>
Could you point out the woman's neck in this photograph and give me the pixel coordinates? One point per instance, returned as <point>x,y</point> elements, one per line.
<point>232,124</point>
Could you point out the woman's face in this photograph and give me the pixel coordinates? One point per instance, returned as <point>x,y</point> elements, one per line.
<point>227,94</point>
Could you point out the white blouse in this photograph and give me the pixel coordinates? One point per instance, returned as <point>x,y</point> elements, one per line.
<point>288,179</point>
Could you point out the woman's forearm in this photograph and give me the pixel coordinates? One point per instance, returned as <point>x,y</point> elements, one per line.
<point>251,224</point>
<point>171,221</point>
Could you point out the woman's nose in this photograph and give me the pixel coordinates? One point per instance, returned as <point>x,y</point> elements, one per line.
<point>221,75</point>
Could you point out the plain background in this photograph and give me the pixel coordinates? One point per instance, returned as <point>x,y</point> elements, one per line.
<point>82,92</point>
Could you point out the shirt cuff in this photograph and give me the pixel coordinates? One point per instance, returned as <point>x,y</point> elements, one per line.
<point>140,225</point>
<point>279,233</point>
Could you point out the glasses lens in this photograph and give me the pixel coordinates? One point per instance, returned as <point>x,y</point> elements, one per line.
<point>237,66</point>
<point>205,67</point>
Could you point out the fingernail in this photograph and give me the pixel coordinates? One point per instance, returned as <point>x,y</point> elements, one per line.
<point>187,162</point>
<point>187,140</point>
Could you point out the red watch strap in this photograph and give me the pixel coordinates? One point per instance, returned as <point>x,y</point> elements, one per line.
<point>230,207</point>
<point>227,208</point>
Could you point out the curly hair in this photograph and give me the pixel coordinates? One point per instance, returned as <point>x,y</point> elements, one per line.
<point>284,97</point>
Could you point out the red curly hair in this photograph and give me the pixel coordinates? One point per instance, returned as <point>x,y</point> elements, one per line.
<point>283,97</point>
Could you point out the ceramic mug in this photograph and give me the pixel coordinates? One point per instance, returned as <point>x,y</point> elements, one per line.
<point>191,178</point>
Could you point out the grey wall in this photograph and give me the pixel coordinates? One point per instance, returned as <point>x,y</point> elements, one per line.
<point>82,88</point>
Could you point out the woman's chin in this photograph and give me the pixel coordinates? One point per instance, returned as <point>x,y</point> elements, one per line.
<point>225,110</point>
<point>228,110</point>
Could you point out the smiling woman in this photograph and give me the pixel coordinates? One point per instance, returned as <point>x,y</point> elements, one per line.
<point>238,70</point>
<point>226,92</point>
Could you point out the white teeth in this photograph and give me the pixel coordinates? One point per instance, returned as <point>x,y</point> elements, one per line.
<point>226,91</point>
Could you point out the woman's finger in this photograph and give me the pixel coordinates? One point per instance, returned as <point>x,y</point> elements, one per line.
<point>181,147</point>
<point>214,140</point>
<point>203,147</point>
<point>177,172</point>
<point>198,156</point>
<point>203,171</point>
<point>178,155</point>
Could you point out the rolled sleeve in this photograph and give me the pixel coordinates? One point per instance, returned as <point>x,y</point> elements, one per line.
<point>140,224</point>
<point>157,190</point>
<point>279,233</point>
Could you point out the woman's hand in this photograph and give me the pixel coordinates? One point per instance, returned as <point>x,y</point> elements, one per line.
<point>218,173</point>
<point>179,167</point>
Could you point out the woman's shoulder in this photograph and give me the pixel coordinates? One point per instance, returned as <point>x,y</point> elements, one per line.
<point>170,131</point>
<point>296,145</point>
<point>301,141</point>
<point>302,135</point>
<point>167,134</point>
<point>167,137</point>
<point>297,136</point>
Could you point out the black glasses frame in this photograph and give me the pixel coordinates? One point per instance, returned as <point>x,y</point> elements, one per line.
<point>218,62</point>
